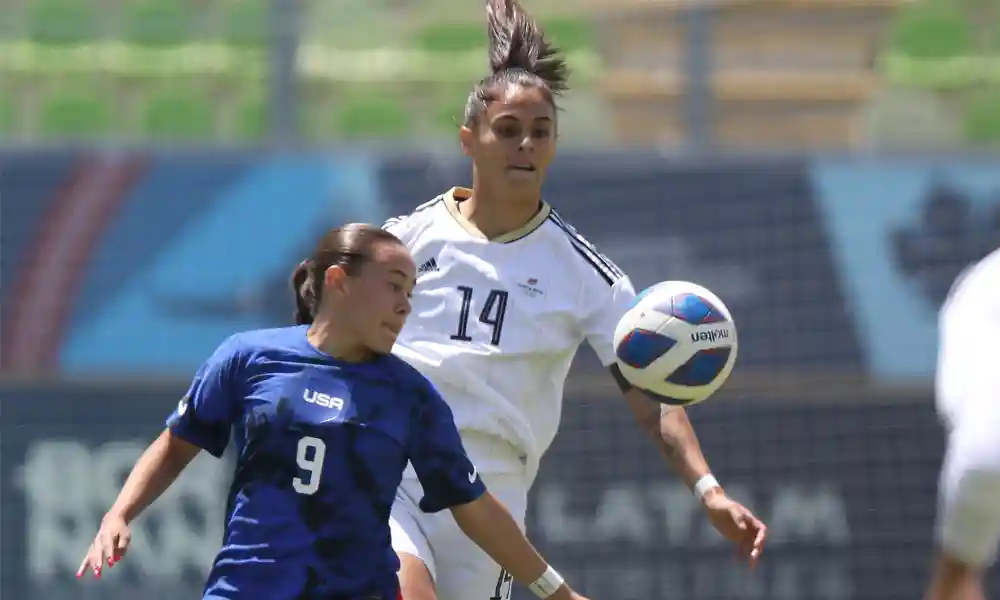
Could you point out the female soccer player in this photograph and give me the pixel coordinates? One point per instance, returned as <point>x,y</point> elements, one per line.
<point>325,421</point>
<point>506,293</point>
<point>968,398</point>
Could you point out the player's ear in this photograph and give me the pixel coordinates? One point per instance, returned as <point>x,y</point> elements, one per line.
<point>465,137</point>
<point>335,278</point>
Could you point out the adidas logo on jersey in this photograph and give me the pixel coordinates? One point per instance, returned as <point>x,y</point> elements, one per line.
<point>431,266</point>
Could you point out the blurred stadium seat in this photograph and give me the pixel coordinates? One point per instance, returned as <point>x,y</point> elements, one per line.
<point>784,74</point>
<point>76,113</point>
<point>157,24</point>
<point>60,22</point>
<point>982,122</point>
<point>136,48</point>
<point>932,30</point>
<point>8,117</point>
<point>177,113</point>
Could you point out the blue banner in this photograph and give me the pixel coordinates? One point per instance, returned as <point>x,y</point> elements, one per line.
<point>901,232</point>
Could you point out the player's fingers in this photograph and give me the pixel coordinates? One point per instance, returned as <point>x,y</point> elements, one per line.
<point>112,547</point>
<point>739,517</point>
<point>753,525</point>
<point>92,562</point>
<point>743,551</point>
<point>84,565</point>
<point>758,545</point>
<point>105,550</point>
<point>761,536</point>
<point>121,546</point>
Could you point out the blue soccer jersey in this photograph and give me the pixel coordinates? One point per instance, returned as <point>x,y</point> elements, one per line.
<point>322,445</point>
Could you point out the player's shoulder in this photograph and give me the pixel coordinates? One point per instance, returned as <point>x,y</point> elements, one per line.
<point>264,338</point>
<point>421,217</point>
<point>977,284</point>
<point>591,261</point>
<point>256,343</point>
<point>987,270</point>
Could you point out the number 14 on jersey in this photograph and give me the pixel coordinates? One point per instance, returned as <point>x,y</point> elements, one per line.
<point>492,313</point>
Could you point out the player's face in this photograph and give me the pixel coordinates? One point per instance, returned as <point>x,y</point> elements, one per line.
<point>515,139</point>
<point>381,295</point>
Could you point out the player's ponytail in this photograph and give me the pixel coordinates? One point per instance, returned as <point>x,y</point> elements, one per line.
<point>305,298</point>
<point>519,55</point>
<point>517,42</point>
<point>348,247</point>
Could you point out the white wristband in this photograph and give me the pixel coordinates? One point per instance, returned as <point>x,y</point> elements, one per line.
<point>703,485</point>
<point>547,584</point>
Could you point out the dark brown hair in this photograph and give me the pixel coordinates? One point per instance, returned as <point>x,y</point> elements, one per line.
<point>349,247</point>
<point>519,55</point>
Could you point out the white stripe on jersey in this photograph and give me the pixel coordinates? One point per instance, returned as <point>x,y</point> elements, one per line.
<point>396,220</point>
<point>602,264</point>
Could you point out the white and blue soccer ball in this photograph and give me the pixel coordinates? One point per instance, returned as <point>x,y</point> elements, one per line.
<point>678,341</point>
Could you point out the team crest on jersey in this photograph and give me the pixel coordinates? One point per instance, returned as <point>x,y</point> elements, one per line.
<point>530,287</point>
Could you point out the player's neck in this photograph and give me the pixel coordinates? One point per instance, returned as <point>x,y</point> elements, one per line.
<point>323,337</point>
<point>497,213</point>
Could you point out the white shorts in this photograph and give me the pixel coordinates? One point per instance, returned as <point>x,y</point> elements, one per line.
<point>969,507</point>
<point>459,568</point>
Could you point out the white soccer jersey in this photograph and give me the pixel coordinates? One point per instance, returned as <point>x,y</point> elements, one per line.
<point>968,396</point>
<point>968,376</point>
<point>496,323</point>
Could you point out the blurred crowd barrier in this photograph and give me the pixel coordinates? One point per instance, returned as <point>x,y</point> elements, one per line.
<point>845,478</point>
<point>120,273</point>
<point>818,74</point>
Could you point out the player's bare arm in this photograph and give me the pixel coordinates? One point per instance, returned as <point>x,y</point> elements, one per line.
<point>488,523</point>
<point>153,473</point>
<point>671,430</point>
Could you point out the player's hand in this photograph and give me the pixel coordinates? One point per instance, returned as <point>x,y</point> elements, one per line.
<point>109,546</point>
<point>737,524</point>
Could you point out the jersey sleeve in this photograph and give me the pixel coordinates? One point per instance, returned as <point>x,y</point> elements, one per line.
<point>607,306</point>
<point>447,475</point>
<point>205,415</point>
<point>967,381</point>
<point>398,226</point>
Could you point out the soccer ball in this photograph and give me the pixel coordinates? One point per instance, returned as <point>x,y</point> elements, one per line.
<point>677,341</point>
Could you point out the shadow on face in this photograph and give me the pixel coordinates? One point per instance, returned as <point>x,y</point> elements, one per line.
<point>379,295</point>
<point>513,141</point>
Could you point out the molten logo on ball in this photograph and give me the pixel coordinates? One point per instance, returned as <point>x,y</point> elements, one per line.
<point>678,341</point>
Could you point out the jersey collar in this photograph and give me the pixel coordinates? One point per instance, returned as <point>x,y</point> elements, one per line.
<point>456,194</point>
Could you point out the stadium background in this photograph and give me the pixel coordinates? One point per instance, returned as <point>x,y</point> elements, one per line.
<point>827,167</point>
